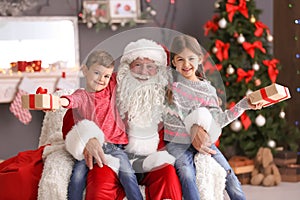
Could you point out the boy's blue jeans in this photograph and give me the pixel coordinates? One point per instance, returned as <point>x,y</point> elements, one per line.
<point>126,175</point>
<point>186,172</point>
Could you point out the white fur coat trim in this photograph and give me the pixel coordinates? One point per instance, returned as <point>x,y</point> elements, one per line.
<point>142,146</point>
<point>79,135</point>
<point>203,117</point>
<point>157,159</point>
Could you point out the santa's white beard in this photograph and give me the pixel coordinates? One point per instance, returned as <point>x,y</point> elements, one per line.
<point>142,102</point>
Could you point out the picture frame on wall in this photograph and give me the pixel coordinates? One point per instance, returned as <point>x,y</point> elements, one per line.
<point>97,9</point>
<point>124,9</point>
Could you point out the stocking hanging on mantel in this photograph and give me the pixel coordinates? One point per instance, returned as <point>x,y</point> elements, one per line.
<point>64,84</point>
<point>26,86</point>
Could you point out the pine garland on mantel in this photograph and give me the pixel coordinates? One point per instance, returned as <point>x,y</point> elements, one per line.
<point>16,7</point>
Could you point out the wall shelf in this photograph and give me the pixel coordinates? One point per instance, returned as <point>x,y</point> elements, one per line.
<point>9,82</point>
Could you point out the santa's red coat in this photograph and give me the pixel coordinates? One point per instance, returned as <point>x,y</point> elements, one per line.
<point>103,183</point>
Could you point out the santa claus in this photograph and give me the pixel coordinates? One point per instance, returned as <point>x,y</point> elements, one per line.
<point>141,79</point>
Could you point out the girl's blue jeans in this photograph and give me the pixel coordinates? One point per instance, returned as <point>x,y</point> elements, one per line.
<point>186,171</point>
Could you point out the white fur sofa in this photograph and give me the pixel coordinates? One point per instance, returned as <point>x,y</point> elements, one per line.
<point>58,163</point>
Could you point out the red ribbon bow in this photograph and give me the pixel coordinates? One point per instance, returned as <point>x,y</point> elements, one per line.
<point>245,119</point>
<point>222,52</point>
<point>41,90</point>
<point>231,8</point>
<point>244,75</point>
<point>211,25</point>
<point>207,65</point>
<point>250,48</point>
<point>260,29</point>
<point>219,67</point>
<point>272,69</point>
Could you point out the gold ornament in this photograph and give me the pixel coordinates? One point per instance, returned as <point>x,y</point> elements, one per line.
<point>252,19</point>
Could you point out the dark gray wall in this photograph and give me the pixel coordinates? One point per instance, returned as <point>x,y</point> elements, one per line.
<point>189,19</point>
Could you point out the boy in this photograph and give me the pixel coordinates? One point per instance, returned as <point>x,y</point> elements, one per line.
<point>96,104</point>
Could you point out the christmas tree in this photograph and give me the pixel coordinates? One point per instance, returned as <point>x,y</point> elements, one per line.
<point>240,47</point>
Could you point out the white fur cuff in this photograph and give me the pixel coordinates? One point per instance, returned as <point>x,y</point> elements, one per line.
<point>157,159</point>
<point>202,117</point>
<point>79,135</point>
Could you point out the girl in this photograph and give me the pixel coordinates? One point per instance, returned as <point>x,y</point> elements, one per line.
<point>193,100</point>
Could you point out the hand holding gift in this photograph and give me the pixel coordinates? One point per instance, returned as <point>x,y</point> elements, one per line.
<point>40,101</point>
<point>269,95</point>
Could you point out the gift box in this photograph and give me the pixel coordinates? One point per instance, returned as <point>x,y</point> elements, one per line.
<point>37,65</point>
<point>290,173</point>
<point>284,158</point>
<point>40,101</point>
<point>22,66</point>
<point>269,95</point>
<point>242,167</point>
<point>241,164</point>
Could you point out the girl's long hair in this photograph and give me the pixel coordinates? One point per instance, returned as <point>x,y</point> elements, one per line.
<point>180,43</point>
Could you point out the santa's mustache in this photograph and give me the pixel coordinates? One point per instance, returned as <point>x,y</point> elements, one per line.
<point>140,76</point>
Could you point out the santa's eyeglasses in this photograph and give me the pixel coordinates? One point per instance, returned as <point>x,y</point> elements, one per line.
<point>149,67</point>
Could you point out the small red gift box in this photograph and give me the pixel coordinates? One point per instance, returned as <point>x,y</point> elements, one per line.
<point>270,95</point>
<point>37,65</point>
<point>40,101</point>
<point>22,66</point>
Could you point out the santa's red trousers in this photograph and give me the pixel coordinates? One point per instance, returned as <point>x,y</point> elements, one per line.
<point>103,184</point>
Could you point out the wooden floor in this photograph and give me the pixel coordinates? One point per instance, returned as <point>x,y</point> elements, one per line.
<point>284,191</point>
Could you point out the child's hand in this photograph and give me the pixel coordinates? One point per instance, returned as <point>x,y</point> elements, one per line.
<point>49,110</point>
<point>255,106</point>
<point>201,141</point>
<point>64,101</point>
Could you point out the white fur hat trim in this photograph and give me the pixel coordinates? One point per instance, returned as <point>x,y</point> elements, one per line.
<point>144,48</point>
